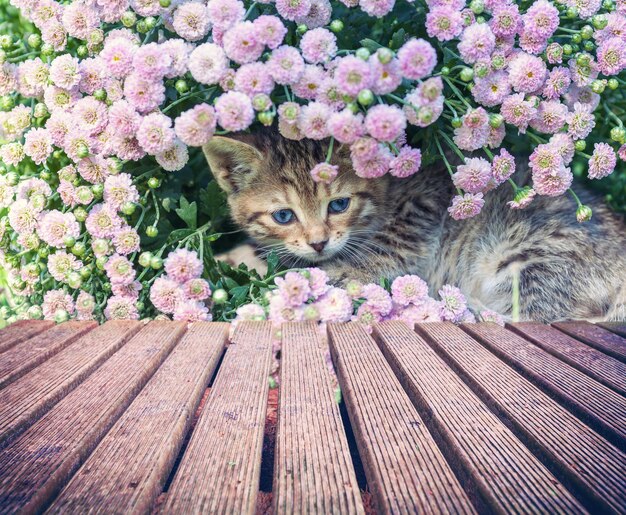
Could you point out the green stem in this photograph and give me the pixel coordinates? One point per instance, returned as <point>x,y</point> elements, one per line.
<point>573,194</point>
<point>456,91</point>
<point>445,160</point>
<point>452,146</point>
<point>329,154</point>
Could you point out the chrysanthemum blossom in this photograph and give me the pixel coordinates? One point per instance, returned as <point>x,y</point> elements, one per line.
<point>234,111</point>
<point>55,227</point>
<point>155,133</point>
<point>406,163</point>
<point>602,162</point>
<point>191,21</point>
<point>466,206</point>
<point>417,59</point>
<point>324,172</point>
<point>208,63</point>
<point>409,289</point>
<point>385,122</point>
<point>196,126</point>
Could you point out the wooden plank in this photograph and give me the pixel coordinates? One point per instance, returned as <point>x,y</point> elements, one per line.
<point>28,398</point>
<point>30,353</point>
<point>127,471</point>
<point>615,327</point>
<point>592,362</point>
<point>591,400</point>
<point>599,338</point>
<point>314,471</point>
<point>35,466</point>
<point>220,470</point>
<point>21,331</point>
<point>595,467</point>
<point>405,469</point>
<point>507,475</point>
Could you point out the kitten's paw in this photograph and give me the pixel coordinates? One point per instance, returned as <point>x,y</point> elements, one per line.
<point>244,254</point>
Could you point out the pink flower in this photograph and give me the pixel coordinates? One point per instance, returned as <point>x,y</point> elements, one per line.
<point>554,53</point>
<point>250,312</point>
<point>196,289</point>
<point>151,61</point>
<point>121,308</point>
<point>506,20</point>
<point>269,31</point>
<point>474,133</point>
<point>324,172</point>
<point>32,77</point>
<point>580,121</point>
<point>345,126</point>
<point>165,295</point>
<point>385,77</point>
<point>38,145</point>
<point>241,45</point>
<point>541,19</point>
<point>286,65</point>
<point>119,189</point>
<point>335,306</point>
<point>318,45</point>
<point>375,166</point>
<point>292,9</point>
<point>90,115</point>
<point>93,74</point>
<point>444,23</point>
<point>622,152</point>
<point>518,111</point>
<point>473,176</point>
<point>253,78</point>
<point>523,197</point>
<point>123,119</point>
<point>178,51</point>
<point>208,63</point>
<point>611,56</point>
<point>552,183</point>
<point>558,83</point>
<point>119,270</point>
<point>318,282</point>
<point>126,241</point>
<point>191,21</point>
<point>544,159</point>
<point>85,304</point>
<point>118,55</point>
<point>477,42</point>
<point>191,311</point>
<point>309,85</point>
<point>527,73</point>
<point>144,95</point>
<point>585,8</point>
<point>155,133</point>
<point>195,127</point>
<point>55,227</point>
<point>61,264</point>
<point>174,157</point>
<point>183,265</point>
<point>352,75</point>
<point>23,216</point>
<point>225,13</point>
<point>385,122</point>
<point>294,289</point>
<point>466,206</point>
<point>503,166</point>
<point>564,145</point>
<point>377,8</point>
<point>602,162</point>
<point>318,15</point>
<point>377,298</point>
<point>102,221</point>
<point>406,163</point>
<point>492,90</point>
<point>488,315</point>
<point>409,289</point>
<point>312,120</point>
<point>234,111</point>
<point>56,300</point>
<point>65,71</point>
<point>417,59</point>
<point>79,19</point>
<point>454,304</point>
<point>550,117</point>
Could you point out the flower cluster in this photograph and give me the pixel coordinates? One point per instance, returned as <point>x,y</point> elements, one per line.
<point>104,104</point>
<point>307,295</point>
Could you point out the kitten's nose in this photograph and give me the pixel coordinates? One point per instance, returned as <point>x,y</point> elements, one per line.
<point>318,245</point>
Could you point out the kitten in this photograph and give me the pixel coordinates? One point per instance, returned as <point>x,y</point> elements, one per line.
<point>363,229</point>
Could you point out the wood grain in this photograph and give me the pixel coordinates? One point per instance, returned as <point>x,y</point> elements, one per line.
<point>405,469</point>
<point>35,466</point>
<point>599,338</point>
<point>220,470</point>
<point>127,471</point>
<point>614,327</point>
<point>313,471</point>
<point>508,476</point>
<point>28,398</point>
<point>595,467</point>
<point>589,399</point>
<point>21,331</point>
<point>22,358</point>
<point>605,369</point>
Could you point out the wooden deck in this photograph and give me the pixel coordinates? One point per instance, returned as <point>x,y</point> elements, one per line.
<point>162,417</point>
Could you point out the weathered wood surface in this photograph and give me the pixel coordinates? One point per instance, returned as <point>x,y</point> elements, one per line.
<point>220,470</point>
<point>507,475</point>
<point>38,348</point>
<point>28,398</point>
<point>42,458</point>
<point>314,471</point>
<point>405,468</point>
<point>119,419</point>
<point>594,363</point>
<point>127,471</point>
<point>580,454</point>
<point>598,403</point>
<point>615,327</point>
<point>21,331</point>
<point>607,341</point>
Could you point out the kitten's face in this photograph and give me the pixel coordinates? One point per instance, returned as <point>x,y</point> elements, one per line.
<point>273,197</point>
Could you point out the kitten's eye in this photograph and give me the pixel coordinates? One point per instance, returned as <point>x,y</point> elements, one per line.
<point>339,205</point>
<point>283,216</point>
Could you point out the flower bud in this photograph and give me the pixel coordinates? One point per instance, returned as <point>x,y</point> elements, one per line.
<point>145,258</point>
<point>60,316</point>
<point>220,296</point>
<point>583,213</point>
<point>365,97</point>
<point>34,41</point>
<point>154,182</point>
<point>74,280</point>
<point>152,231</point>
<point>266,118</point>
<point>467,74</point>
<point>6,42</point>
<point>618,134</point>
<point>336,26</point>
<point>129,18</point>
<point>384,55</point>
<point>363,53</point>
<point>580,145</point>
<point>35,313</point>
<point>40,111</point>
<point>47,50</point>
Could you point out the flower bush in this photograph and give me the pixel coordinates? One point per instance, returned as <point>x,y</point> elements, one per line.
<point>107,209</point>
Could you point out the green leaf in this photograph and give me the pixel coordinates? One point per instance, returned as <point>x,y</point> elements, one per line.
<point>370,44</point>
<point>213,201</point>
<point>188,212</point>
<point>272,264</point>
<point>179,234</point>
<point>230,283</point>
<point>397,40</point>
<point>239,294</point>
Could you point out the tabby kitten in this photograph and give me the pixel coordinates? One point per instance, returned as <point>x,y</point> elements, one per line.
<point>363,229</point>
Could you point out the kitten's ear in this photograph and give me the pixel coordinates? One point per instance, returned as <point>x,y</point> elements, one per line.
<point>232,161</point>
